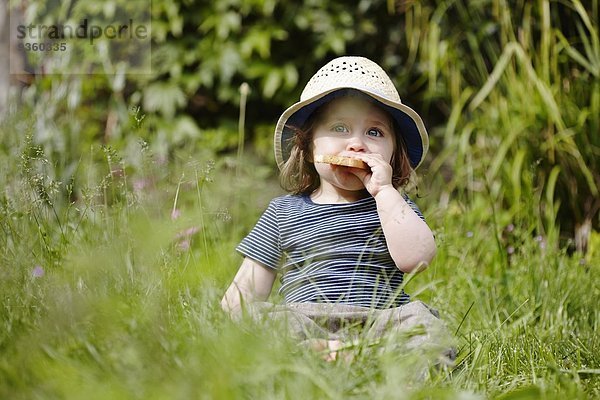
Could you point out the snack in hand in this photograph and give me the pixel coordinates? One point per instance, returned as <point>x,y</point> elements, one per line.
<point>341,160</point>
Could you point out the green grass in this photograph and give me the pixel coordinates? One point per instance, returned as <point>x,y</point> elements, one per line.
<point>106,295</point>
<point>103,298</point>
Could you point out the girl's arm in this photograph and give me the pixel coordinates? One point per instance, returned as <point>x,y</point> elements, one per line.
<point>409,239</point>
<point>253,282</point>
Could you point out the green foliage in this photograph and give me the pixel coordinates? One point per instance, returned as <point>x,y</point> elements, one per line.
<point>122,201</point>
<point>528,128</point>
<point>115,294</point>
<point>509,90</point>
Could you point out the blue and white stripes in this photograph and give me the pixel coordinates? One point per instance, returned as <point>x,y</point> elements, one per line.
<point>327,253</point>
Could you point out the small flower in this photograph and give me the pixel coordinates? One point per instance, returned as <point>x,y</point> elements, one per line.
<point>510,250</point>
<point>140,184</point>
<point>469,234</point>
<point>541,241</point>
<point>38,272</point>
<point>184,238</point>
<point>188,232</point>
<point>184,245</point>
<point>510,228</point>
<point>175,213</point>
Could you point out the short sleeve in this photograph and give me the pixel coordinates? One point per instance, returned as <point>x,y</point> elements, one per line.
<point>263,243</point>
<point>413,206</point>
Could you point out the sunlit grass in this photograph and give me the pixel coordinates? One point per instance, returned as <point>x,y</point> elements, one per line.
<point>113,260</point>
<point>120,299</point>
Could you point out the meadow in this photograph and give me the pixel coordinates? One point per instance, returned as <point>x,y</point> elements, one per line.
<point>123,197</point>
<point>111,290</point>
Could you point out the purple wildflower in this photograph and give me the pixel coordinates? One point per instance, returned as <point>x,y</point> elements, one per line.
<point>38,272</point>
<point>184,245</point>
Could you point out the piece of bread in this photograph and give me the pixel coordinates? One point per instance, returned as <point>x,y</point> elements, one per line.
<point>341,160</point>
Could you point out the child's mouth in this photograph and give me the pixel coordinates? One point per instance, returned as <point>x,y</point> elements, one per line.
<point>341,161</point>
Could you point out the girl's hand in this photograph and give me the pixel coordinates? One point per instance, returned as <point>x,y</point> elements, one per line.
<point>380,175</point>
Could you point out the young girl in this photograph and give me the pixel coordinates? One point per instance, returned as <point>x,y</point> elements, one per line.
<point>345,236</point>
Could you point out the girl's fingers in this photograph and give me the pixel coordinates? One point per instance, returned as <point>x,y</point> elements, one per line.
<point>380,174</point>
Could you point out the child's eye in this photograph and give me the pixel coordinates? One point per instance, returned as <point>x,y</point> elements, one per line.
<point>374,132</point>
<point>340,128</point>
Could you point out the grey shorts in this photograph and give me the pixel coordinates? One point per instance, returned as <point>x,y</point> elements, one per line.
<point>415,324</point>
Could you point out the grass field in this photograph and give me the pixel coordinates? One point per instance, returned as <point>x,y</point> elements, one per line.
<point>111,287</point>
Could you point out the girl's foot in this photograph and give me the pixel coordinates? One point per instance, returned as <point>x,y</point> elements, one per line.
<point>331,349</point>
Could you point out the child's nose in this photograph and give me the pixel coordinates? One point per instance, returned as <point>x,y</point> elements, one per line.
<point>356,144</point>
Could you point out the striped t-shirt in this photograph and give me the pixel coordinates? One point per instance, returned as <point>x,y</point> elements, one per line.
<point>327,253</point>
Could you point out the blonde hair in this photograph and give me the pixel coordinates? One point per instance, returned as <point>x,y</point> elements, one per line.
<point>299,176</point>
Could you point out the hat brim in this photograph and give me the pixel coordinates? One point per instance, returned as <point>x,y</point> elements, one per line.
<point>410,123</point>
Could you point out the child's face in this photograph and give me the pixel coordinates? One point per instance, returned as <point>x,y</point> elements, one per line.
<point>347,126</point>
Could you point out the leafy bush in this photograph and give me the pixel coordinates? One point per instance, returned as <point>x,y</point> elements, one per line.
<point>509,90</point>
<point>523,83</point>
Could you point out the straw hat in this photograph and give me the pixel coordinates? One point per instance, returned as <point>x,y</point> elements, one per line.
<point>331,81</point>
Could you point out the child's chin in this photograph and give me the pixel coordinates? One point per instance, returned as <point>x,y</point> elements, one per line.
<point>346,180</point>
<point>353,186</point>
